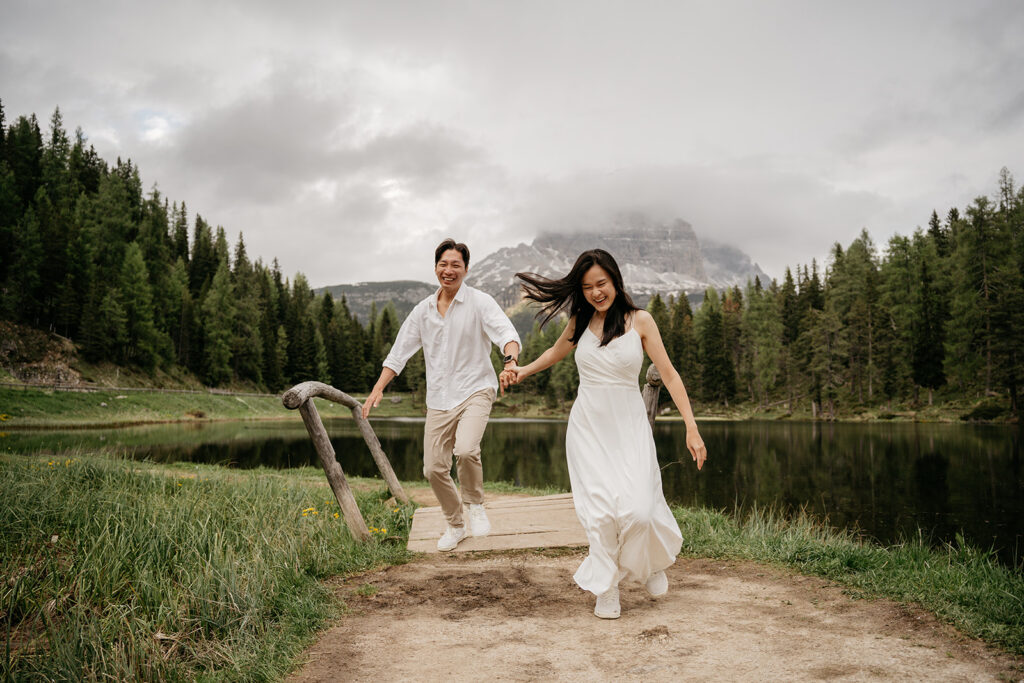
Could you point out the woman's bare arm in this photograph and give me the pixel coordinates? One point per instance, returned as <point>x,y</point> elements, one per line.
<point>655,348</point>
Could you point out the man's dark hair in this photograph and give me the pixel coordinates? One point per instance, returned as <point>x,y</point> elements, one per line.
<point>452,244</point>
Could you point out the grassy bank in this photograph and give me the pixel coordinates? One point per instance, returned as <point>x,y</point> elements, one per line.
<point>118,569</point>
<point>46,408</point>
<point>961,585</point>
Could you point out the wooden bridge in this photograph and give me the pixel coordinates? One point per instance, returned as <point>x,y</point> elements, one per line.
<point>536,522</point>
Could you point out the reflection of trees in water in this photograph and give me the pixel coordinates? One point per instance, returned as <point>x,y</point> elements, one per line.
<point>526,454</point>
<point>887,480</point>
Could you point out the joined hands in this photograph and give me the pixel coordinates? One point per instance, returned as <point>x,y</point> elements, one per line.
<point>510,376</point>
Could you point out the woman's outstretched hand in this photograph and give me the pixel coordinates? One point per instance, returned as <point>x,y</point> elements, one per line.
<point>695,445</point>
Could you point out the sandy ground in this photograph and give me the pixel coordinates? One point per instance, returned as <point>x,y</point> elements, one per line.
<point>519,617</point>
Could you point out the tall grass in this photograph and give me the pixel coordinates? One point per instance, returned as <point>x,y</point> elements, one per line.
<point>961,584</point>
<point>112,569</point>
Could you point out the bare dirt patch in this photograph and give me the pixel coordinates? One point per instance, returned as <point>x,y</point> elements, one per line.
<point>520,617</point>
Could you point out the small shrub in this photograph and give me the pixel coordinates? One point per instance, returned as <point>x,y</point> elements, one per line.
<point>987,409</point>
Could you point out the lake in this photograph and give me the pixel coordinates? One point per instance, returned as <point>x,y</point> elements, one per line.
<point>887,480</point>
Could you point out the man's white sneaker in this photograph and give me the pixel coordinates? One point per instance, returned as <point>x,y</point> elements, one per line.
<point>607,606</point>
<point>450,538</point>
<point>479,525</point>
<point>657,584</point>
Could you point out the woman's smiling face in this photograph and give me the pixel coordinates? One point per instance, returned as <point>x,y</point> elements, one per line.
<point>598,289</point>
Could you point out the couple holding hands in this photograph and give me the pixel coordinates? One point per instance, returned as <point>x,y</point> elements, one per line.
<point>613,467</point>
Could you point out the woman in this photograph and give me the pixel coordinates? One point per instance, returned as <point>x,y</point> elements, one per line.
<point>613,467</point>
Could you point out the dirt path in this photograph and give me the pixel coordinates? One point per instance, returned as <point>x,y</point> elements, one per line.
<point>520,617</point>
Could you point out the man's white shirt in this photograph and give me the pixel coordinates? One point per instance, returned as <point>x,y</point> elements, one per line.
<point>456,346</point>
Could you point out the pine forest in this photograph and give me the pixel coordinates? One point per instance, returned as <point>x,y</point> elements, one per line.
<point>127,275</point>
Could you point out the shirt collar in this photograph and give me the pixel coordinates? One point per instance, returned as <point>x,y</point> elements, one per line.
<point>460,295</point>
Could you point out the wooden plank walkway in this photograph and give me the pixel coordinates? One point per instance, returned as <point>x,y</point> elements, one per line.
<point>538,522</point>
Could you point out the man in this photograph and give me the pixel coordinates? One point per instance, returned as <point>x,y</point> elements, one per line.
<point>455,327</point>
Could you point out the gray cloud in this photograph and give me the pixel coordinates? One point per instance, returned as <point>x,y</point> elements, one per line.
<point>777,218</point>
<point>348,138</point>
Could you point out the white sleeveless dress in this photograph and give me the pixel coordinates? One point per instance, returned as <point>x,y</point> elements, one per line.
<point>613,468</point>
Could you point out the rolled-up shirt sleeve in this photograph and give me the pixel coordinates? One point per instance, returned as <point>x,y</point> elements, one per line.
<point>407,342</point>
<point>498,327</point>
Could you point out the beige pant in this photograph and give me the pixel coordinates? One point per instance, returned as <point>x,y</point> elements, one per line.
<point>457,431</point>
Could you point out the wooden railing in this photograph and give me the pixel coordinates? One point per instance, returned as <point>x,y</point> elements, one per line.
<point>300,397</point>
<point>650,393</point>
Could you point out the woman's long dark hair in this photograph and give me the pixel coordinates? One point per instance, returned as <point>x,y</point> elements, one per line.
<point>567,292</point>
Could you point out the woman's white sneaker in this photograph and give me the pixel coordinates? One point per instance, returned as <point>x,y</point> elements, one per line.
<point>450,538</point>
<point>479,525</point>
<point>607,606</point>
<point>657,584</point>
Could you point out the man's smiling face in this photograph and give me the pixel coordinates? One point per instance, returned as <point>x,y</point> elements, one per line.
<point>450,270</point>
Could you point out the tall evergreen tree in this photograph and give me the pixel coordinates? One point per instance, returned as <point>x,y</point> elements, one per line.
<point>683,350</point>
<point>247,338</point>
<point>929,336</point>
<point>791,313</point>
<point>108,219</point>
<point>979,251</point>
<point>202,263</point>
<point>179,238</point>
<point>85,165</point>
<point>718,378</point>
<point>144,345</point>
<point>763,332</point>
<point>828,346</point>
<point>24,157</point>
<point>897,293</point>
<point>23,300</point>
<point>218,315</point>
<point>938,235</point>
<point>181,317</point>
<point>10,214</point>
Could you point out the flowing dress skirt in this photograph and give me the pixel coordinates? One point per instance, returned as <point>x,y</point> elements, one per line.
<point>615,477</point>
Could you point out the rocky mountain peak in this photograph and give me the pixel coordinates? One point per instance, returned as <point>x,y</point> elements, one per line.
<point>663,257</point>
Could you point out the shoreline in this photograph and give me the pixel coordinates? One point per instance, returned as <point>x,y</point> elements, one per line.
<point>42,409</point>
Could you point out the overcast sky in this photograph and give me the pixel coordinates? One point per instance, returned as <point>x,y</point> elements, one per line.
<point>348,138</point>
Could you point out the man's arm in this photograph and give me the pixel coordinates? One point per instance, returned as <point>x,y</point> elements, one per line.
<point>374,399</point>
<point>499,328</point>
<point>407,342</point>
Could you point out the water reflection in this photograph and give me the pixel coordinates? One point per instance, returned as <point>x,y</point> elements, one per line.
<point>888,480</point>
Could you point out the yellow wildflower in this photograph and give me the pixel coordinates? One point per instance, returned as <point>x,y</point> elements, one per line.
<point>384,530</point>
<point>335,515</point>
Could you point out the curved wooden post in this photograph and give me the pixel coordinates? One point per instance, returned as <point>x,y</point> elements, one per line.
<point>335,476</point>
<point>650,393</point>
<point>300,394</point>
